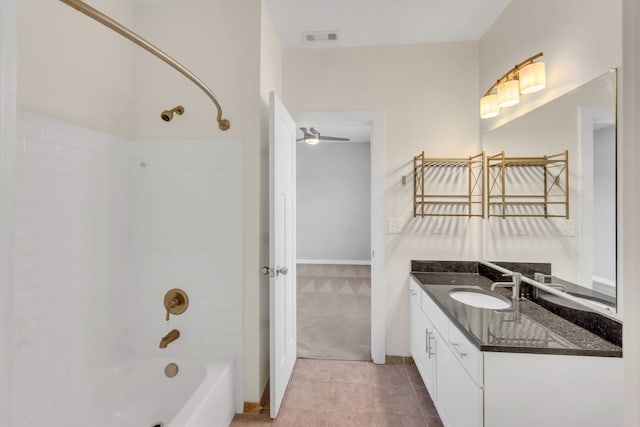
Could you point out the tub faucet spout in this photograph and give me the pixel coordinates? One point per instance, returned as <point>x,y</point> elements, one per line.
<point>169,338</point>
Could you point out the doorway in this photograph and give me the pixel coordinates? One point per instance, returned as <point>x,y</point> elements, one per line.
<point>339,250</point>
<point>333,193</point>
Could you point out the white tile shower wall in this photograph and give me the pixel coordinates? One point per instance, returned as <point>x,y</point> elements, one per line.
<point>186,232</point>
<point>72,227</point>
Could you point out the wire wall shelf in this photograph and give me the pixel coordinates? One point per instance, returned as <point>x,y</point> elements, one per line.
<point>528,186</point>
<point>448,186</point>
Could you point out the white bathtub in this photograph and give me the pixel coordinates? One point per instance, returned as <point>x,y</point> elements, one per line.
<point>138,394</point>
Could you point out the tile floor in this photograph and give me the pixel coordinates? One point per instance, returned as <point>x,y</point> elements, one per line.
<point>334,311</point>
<point>331,393</point>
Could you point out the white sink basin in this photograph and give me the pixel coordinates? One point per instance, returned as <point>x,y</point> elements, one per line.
<point>479,298</point>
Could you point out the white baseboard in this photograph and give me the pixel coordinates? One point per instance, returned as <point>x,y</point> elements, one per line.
<point>334,261</point>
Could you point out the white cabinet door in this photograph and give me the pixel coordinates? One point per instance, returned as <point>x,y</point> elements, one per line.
<point>422,347</point>
<point>459,397</point>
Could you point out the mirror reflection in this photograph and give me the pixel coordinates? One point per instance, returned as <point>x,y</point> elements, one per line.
<point>574,251</point>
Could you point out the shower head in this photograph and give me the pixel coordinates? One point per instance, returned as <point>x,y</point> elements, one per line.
<point>167,115</point>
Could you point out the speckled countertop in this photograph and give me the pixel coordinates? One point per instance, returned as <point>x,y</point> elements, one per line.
<point>526,327</point>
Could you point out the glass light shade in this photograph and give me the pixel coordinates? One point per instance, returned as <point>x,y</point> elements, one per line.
<point>311,140</point>
<point>508,93</point>
<point>532,77</point>
<point>489,106</point>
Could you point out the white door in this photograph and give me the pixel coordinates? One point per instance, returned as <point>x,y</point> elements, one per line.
<point>282,249</point>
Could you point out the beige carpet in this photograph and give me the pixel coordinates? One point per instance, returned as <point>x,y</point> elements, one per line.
<point>334,312</point>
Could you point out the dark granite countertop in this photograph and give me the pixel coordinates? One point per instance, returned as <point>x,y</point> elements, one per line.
<point>526,327</point>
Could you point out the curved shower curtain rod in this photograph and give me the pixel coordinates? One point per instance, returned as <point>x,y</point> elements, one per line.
<point>93,13</point>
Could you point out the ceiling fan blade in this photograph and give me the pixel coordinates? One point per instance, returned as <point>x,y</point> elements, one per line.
<point>331,138</point>
<point>304,130</point>
<point>301,139</point>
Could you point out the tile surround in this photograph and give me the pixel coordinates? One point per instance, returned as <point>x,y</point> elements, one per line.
<point>72,227</point>
<point>186,232</point>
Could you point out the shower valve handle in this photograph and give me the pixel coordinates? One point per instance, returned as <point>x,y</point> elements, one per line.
<point>176,302</point>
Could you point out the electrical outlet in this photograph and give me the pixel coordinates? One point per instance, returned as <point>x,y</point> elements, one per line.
<point>394,225</point>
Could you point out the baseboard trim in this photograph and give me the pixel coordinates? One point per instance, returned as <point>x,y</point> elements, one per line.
<point>333,261</point>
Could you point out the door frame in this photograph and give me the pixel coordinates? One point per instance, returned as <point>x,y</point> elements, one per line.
<point>378,307</point>
<point>8,88</point>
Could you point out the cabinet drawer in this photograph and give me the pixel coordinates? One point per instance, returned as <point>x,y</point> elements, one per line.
<point>433,312</point>
<point>468,354</point>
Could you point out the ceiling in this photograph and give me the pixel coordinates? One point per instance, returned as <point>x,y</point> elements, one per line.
<point>383,22</point>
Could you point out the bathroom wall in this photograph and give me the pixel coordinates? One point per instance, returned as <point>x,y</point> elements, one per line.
<point>219,40</point>
<point>581,39</point>
<point>70,266</point>
<point>186,232</point>
<point>333,203</point>
<point>630,182</point>
<point>428,93</point>
<point>84,79</point>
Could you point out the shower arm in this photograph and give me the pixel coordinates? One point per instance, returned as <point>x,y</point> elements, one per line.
<point>95,14</point>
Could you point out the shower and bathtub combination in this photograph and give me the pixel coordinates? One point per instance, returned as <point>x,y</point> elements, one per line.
<point>105,226</point>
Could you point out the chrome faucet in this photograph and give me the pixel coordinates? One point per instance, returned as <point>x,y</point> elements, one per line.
<point>169,338</point>
<point>514,284</point>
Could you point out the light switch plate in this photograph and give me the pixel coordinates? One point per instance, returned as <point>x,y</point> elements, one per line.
<point>394,225</point>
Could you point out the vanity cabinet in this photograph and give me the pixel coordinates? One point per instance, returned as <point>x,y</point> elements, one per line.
<point>474,388</point>
<point>443,362</point>
<point>423,345</point>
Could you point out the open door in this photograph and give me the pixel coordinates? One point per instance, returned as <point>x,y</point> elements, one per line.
<point>282,250</point>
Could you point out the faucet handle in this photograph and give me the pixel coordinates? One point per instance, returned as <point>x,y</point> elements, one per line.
<point>176,302</point>
<point>516,276</point>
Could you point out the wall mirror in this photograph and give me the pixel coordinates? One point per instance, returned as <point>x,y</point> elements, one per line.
<point>576,255</point>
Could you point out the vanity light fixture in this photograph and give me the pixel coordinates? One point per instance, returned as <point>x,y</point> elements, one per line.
<point>526,77</point>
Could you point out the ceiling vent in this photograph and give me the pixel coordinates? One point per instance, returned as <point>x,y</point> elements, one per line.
<point>319,36</point>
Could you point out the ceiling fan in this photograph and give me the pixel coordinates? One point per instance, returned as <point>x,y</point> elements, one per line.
<point>312,137</point>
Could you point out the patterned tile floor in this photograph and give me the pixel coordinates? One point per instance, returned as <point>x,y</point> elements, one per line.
<point>331,393</point>
<point>334,311</point>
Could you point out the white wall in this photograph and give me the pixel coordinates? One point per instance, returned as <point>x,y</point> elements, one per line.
<point>70,266</point>
<point>73,68</point>
<point>220,42</point>
<point>334,202</point>
<point>428,94</point>
<point>630,235</point>
<point>186,232</point>
<point>581,39</point>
